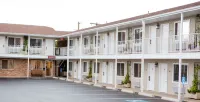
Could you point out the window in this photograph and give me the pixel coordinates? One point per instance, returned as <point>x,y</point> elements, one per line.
<point>36,42</point>
<point>183,72</point>
<point>5,64</point>
<point>96,40</point>
<point>70,66</point>
<point>71,42</point>
<point>14,41</point>
<point>84,66</point>
<point>186,29</point>
<point>137,70</point>
<point>120,69</point>
<point>121,36</point>
<point>98,66</point>
<point>85,41</point>
<point>138,34</point>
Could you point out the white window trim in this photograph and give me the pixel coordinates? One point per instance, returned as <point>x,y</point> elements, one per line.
<point>124,69</point>
<point>72,41</point>
<point>134,70</point>
<point>72,66</point>
<point>7,65</point>
<point>36,38</point>
<point>181,67</point>
<point>134,31</point>
<point>21,42</point>
<point>122,32</point>
<point>97,66</point>
<point>86,66</point>
<point>180,22</point>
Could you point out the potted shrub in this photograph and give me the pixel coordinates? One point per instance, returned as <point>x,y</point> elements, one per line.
<point>194,92</point>
<point>126,82</point>
<point>89,77</point>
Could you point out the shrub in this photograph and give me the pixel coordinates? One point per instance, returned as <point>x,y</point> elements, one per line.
<point>194,88</point>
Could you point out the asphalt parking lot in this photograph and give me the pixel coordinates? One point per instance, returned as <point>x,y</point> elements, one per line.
<point>52,90</point>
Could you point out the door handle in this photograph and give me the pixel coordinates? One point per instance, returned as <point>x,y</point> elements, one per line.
<point>150,41</point>
<point>149,78</point>
<point>103,73</point>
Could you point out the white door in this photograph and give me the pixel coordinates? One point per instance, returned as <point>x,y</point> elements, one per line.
<point>49,47</point>
<point>151,76</point>
<point>165,36</point>
<point>105,45</point>
<point>79,70</point>
<point>111,43</point>
<point>110,72</point>
<point>2,44</point>
<point>152,39</point>
<point>75,69</point>
<point>132,75</point>
<point>163,78</point>
<point>104,72</point>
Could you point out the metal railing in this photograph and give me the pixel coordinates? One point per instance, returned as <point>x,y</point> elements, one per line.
<point>60,51</point>
<point>17,49</point>
<point>36,50</point>
<point>130,46</point>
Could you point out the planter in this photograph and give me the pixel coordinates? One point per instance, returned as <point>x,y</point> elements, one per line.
<point>89,79</point>
<point>128,85</point>
<point>195,96</point>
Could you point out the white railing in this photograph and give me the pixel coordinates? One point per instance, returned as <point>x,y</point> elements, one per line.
<point>61,51</point>
<point>130,46</point>
<point>190,43</point>
<point>36,50</point>
<point>152,45</point>
<point>17,49</point>
<point>72,51</point>
<point>90,49</point>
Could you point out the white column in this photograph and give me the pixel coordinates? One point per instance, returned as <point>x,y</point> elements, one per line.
<point>68,58</point>
<point>180,59</point>
<point>142,60</point>
<point>116,53</point>
<point>97,34</point>
<point>81,44</point>
<point>28,57</point>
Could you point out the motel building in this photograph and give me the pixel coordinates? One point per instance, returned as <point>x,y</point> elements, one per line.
<point>157,50</point>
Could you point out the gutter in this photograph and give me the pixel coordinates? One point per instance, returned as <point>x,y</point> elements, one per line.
<point>33,35</point>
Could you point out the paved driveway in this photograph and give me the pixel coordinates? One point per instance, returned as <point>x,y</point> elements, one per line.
<point>51,90</point>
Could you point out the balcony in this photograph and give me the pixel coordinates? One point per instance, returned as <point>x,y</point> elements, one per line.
<point>130,46</point>
<point>190,43</point>
<point>17,49</point>
<point>60,51</point>
<point>90,49</point>
<point>36,50</point>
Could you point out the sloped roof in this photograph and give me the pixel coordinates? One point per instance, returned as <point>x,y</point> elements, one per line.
<point>29,29</point>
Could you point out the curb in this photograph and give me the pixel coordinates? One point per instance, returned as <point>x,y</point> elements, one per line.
<point>145,94</point>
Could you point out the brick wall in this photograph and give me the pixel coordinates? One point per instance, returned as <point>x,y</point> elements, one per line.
<point>19,69</point>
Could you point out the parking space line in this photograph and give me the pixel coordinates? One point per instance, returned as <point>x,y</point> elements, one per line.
<point>127,98</point>
<point>97,94</point>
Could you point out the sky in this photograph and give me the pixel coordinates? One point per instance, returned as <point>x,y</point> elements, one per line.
<point>65,14</point>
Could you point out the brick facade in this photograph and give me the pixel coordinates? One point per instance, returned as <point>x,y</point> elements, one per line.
<point>18,69</point>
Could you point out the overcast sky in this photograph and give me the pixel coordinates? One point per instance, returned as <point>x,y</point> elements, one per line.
<point>64,14</point>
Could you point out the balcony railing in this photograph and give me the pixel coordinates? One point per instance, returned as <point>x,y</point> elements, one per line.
<point>130,46</point>
<point>17,49</point>
<point>152,45</point>
<point>90,49</point>
<point>190,43</point>
<point>36,50</point>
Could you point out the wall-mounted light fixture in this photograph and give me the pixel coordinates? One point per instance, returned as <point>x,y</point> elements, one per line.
<point>157,26</point>
<point>156,64</point>
<point>107,62</point>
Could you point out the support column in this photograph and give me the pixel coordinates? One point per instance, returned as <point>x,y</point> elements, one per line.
<point>97,34</point>
<point>81,44</point>
<point>142,60</point>
<point>28,57</point>
<point>68,58</point>
<point>116,53</point>
<point>180,59</point>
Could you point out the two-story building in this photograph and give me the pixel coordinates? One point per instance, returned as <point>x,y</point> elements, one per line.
<point>157,48</point>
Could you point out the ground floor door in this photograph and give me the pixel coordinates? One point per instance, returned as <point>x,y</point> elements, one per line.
<point>163,77</point>
<point>75,69</point>
<point>110,72</point>
<point>104,72</point>
<point>49,68</point>
<point>150,76</point>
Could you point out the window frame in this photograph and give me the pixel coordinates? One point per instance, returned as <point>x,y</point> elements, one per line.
<point>71,42</point>
<point>95,38</point>
<point>8,67</point>
<point>135,33</point>
<point>86,37</point>
<point>37,39</point>
<point>176,32</point>
<point>71,67</point>
<point>14,41</point>
<point>181,68</point>
<point>84,67</point>
<point>98,67</point>
<point>138,70</point>
<point>120,33</point>
<point>120,69</point>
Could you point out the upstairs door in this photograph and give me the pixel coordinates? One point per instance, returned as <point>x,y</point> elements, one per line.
<point>2,44</point>
<point>105,44</point>
<point>165,36</point>
<point>152,39</point>
<point>111,45</point>
<point>49,47</point>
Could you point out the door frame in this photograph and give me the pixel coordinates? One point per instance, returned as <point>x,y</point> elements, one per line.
<point>132,73</point>
<point>104,78</point>
<point>161,37</point>
<point>160,78</point>
<point>153,77</point>
<point>112,71</point>
<point>154,39</point>
<point>51,70</point>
